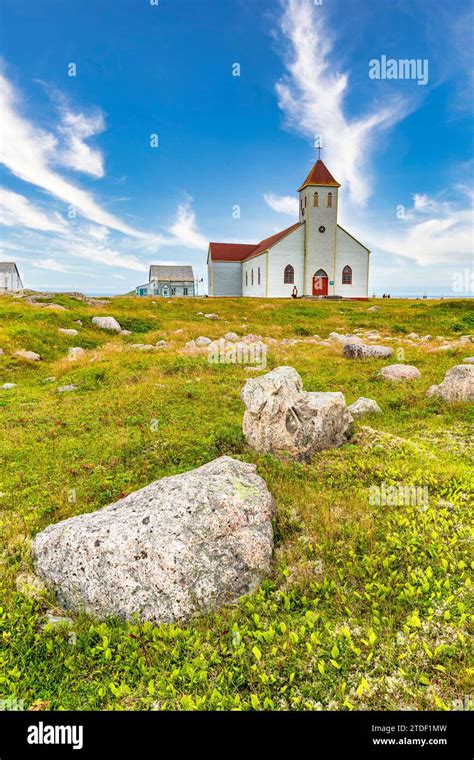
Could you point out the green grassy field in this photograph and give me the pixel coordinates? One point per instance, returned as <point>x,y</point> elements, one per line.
<point>367,606</point>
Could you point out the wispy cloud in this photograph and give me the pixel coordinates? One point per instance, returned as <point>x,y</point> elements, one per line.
<point>282,204</point>
<point>312,93</point>
<point>30,153</point>
<point>16,210</point>
<point>184,230</point>
<point>431,232</point>
<point>76,128</point>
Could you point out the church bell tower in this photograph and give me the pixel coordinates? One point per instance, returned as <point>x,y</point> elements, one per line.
<point>318,199</point>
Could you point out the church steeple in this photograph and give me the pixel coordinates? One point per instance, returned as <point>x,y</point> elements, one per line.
<point>319,175</point>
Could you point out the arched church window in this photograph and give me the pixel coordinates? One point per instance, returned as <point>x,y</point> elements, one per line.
<point>258,275</point>
<point>347,276</point>
<point>329,200</point>
<point>289,275</point>
<point>316,200</point>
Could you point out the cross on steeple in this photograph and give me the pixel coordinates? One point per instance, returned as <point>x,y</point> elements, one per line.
<point>319,148</point>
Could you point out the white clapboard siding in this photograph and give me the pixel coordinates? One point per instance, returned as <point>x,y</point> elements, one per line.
<point>349,252</point>
<point>226,279</point>
<point>253,265</point>
<point>289,250</point>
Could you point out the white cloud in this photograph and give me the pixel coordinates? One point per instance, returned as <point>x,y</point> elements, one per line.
<point>431,233</point>
<point>185,231</point>
<point>29,152</point>
<point>75,128</point>
<point>51,265</point>
<point>282,204</point>
<point>16,210</point>
<point>312,93</point>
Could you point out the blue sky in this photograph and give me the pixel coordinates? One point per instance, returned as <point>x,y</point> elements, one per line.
<point>87,203</point>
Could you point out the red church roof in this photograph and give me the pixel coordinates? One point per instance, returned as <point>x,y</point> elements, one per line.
<point>241,251</point>
<point>230,251</point>
<point>319,175</point>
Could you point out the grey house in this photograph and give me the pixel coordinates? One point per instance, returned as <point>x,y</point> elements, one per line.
<point>10,279</point>
<point>167,281</point>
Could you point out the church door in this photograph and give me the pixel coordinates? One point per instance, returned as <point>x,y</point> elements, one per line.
<point>320,283</point>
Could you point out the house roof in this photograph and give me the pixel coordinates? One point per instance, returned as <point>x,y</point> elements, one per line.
<point>171,273</point>
<point>242,251</point>
<point>8,266</point>
<point>319,175</point>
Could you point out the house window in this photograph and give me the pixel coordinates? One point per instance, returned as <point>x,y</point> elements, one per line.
<point>173,291</point>
<point>246,278</point>
<point>316,200</point>
<point>251,277</point>
<point>329,200</point>
<point>185,291</point>
<point>258,275</point>
<point>289,276</point>
<point>347,276</point>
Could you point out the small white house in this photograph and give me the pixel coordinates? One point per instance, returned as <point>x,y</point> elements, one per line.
<point>313,257</point>
<point>10,280</point>
<point>167,281</point>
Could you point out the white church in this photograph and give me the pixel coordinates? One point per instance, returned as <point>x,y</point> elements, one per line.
<point>314,257</point>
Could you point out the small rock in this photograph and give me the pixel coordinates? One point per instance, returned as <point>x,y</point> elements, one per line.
<point>49,379</point>
<point>373,308</point>
<point>181,546</point>
<point>75,352</point>
<point>373,335</point>
<point>8,386</point>
<point>66,388</point>
<point>251,338</point>
<point>53,306</point>
<point>211,316</point>
<point>354,339</point>
<point>125,332</point>
<point>364,406</point>
<point>413,336</point>
<point>27,355</point>
<point>397,372</point>
<point>143,346</point>
<point>281,417</point>
<point>356,351</point>
<point>107,323</point>
<point>78,322</point>
<point>68,331</point>
<point>465,339</point>
<point>426,338</point>
<point>458,384</point>
<point>161,344</point>
<point>232,336</point>
<point>468,360</point>
<point>202,341</point>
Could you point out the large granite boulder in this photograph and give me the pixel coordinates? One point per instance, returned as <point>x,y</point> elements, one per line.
<point>181,546</point>
<point>356,351</point>
<point>107,323</point>
<point>458,384</point>
<point>281,417</point>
